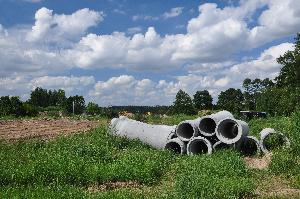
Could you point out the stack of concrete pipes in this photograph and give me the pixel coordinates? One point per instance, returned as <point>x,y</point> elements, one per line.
<point>200,136</point>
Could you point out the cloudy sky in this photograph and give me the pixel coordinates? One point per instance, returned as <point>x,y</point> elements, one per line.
<point>127,52</point>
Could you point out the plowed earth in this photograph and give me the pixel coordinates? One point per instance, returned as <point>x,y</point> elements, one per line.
<point>15,130</point>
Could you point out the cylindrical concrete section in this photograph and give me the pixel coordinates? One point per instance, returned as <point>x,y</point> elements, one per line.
<point>207,125</point>
<point>187,129</point>
<point>154,135</point>
<point>279,140</point>
<point>176,145</point>
<point>221,145</point>
<point>172,136</point>
<point>199,145</point>
<point>248,146</point>
<point>230,130</point>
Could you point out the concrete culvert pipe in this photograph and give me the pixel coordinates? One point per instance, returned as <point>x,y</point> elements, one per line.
<point>249,146</point>
<point>220,145</point>
<point>270,140</point>
<point>208,124</point>
<point>187,129</point>
<point>172,136</point>
<point>176,145</point>
<point>199,145</point>
<point>154,135</point>
<point>230,130</point>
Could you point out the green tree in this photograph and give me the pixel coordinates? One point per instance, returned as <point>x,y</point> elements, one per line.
<point>56,98</point>
<point>203,100</point>
<point>289,75</point>
<point>279,101</point>
<point>5,106</point>
<point>39,97</point>
<point>93,109</point>
<point>183,104</point>
<point>16,106</point>
<point>253,89</point>
<point>231,100</point>
<point>79,104</point>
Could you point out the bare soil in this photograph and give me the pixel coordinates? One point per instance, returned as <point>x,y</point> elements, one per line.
<point>15,130</point>
<point>258,162</point>
<point>276,187</point>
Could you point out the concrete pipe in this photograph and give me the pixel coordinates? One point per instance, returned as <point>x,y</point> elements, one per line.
<point>230,130</point>
<point>208,124</point>
<point>187,129</point>
<point>220,145</point>
<point>172,136</point>
<point>199,145</point>
<point>248,146</point>
<point>269,133</point>
<point>154,135</point>
<point>176,145</point>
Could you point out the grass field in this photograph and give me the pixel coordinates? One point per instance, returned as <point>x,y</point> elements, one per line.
<point>98,165</point>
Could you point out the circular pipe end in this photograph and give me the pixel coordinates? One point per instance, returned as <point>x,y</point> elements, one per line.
<point>185,131</point>
<point>199,145</point>
<point>249,146</point>
<point>229,131</point>
<point>207,126</point>
<point>221,146</point>
<point>176,145</point>
<point>279,140</point>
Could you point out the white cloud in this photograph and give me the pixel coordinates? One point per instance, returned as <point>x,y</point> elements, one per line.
<point>118,11</point>
<point>22,85</point>
<point>144,17</point>
<point>264,66</point>
<point>51,27</point>
<point>174,12</point>
<point>127,90</point>
<point>134,30</point>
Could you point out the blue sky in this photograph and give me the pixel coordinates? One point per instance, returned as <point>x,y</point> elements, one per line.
<point>126,52</point>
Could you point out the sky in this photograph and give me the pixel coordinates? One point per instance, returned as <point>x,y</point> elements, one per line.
<point>129,52</point>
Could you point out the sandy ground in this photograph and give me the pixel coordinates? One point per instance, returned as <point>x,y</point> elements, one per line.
<point>14,130</point>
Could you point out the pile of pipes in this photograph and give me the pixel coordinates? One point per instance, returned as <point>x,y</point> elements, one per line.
<point>199,136</point>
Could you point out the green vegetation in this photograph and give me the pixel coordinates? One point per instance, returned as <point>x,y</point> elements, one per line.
<point>77,167</point>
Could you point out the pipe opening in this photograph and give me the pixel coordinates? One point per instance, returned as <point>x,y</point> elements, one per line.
<point>274,141</point>
<point>249,147</point>
<point>198,147</point>
<point>174,147</point>
<point>185,130</point>
<point>221,146</point>
<point>207,125</point>
<point>229,129</point>
<point>173,136</point>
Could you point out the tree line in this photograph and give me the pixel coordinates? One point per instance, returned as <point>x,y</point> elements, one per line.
<point>280,96</point>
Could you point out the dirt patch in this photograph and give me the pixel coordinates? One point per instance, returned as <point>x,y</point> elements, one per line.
<point>258,162</point>
<point>14,130</point>
<point>113,186</point>
<point>274,186</point>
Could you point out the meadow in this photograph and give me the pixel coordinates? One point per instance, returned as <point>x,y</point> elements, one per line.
<point>99,165</point>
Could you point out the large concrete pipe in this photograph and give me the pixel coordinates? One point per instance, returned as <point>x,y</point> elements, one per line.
<point>154,135</point>
<point>208,124</point>
<point>279,139</point>
<point>221,145</point>
<point>199,145</point>
<point>172,136</point>
<point>248,146</point>
<point>230,130</point>
<point>176,145</point>
<point>187,129</point>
